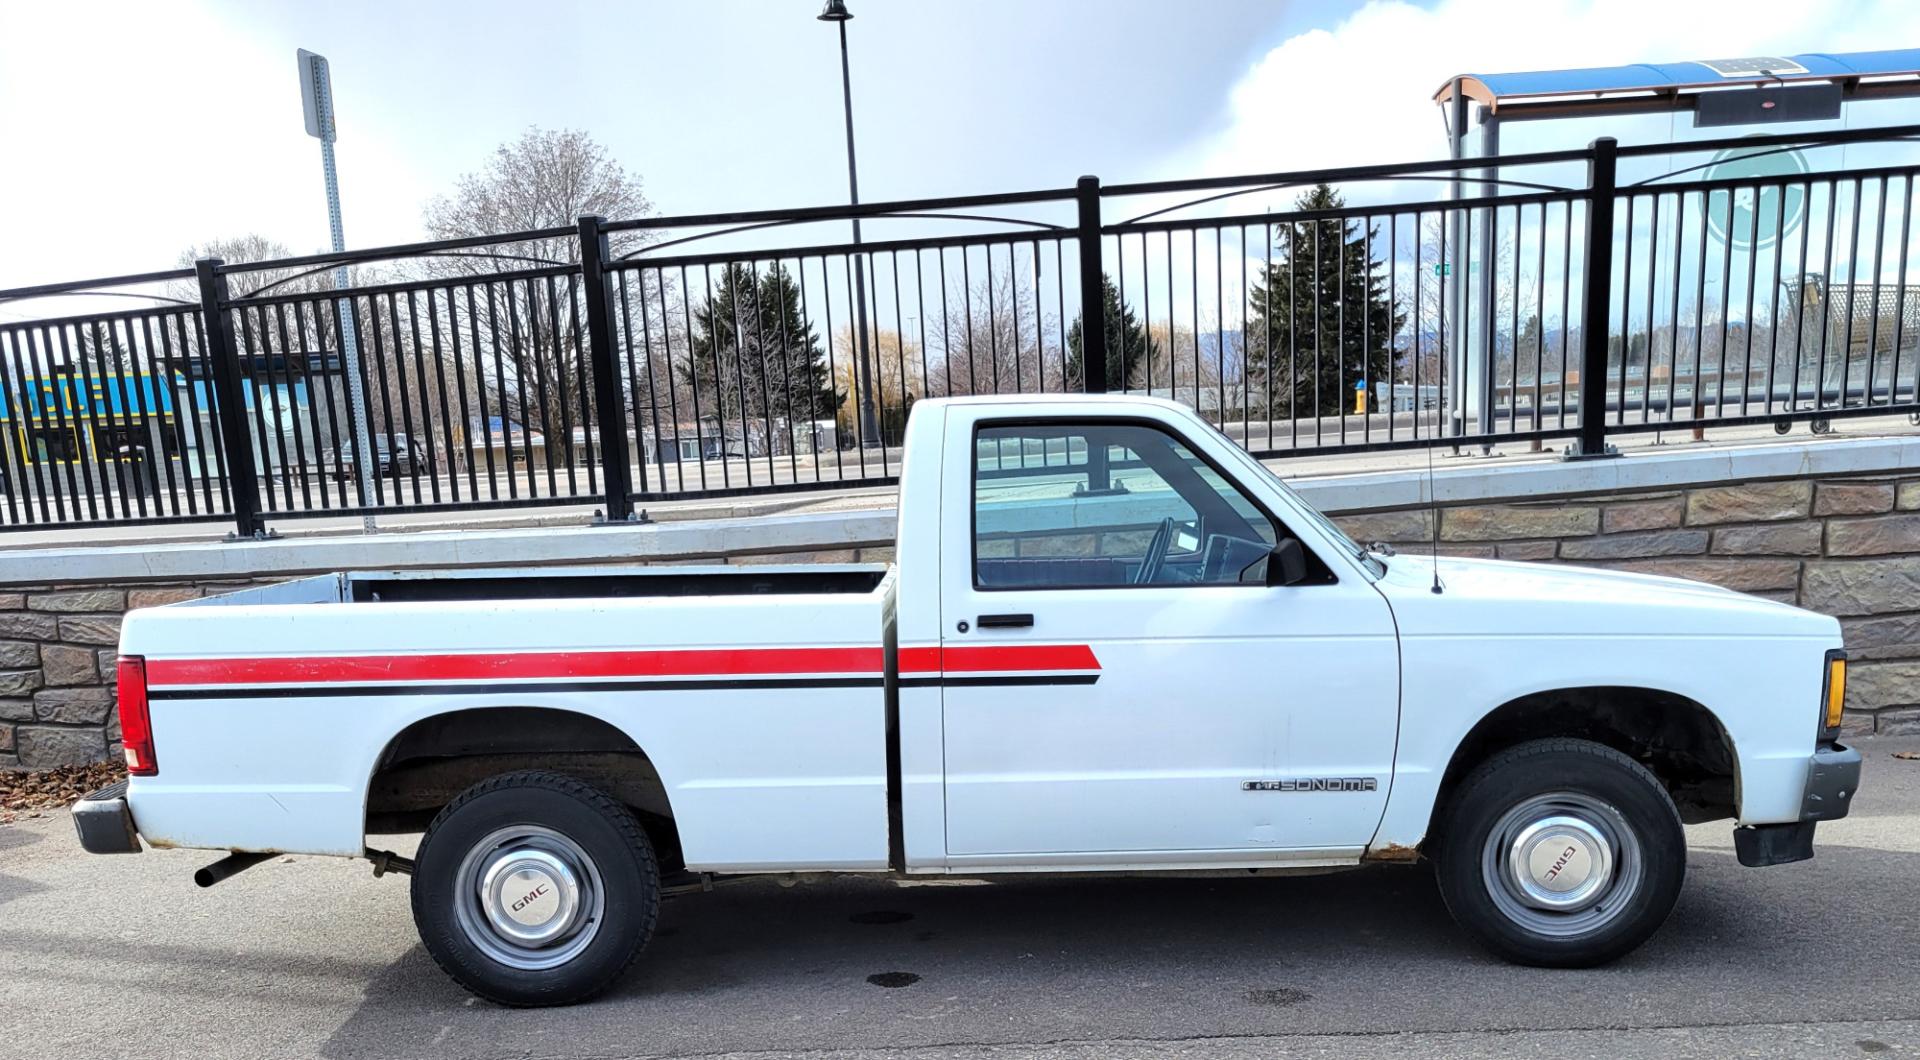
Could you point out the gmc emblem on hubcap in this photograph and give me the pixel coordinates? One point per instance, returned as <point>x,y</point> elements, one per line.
<point>1565,856</point>
<point>530,896</point>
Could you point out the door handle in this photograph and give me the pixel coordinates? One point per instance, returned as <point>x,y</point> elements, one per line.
<point>1005,621</point>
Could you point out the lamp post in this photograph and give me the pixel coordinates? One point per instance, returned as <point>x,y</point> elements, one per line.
<point>836,11</point>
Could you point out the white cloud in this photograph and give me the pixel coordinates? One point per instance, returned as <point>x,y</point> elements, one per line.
<point>1362,91</point>
<point>161,127</point>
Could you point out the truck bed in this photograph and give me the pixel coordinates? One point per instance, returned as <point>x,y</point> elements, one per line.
<point>272,706</point>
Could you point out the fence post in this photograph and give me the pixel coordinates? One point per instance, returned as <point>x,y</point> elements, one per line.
<point>230,403</point>
<point>608,409</point>
<point>1601,180</point>
<point>1093,324</point>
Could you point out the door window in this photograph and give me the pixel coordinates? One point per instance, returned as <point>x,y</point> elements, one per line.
<point>1060,506</point>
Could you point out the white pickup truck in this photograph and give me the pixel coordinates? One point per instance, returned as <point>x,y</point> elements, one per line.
<point>1113,643</point>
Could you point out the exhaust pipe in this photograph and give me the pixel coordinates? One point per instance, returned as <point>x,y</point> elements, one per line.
<point>237,862</point>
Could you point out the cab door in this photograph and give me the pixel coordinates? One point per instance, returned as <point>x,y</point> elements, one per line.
<point>1121,684</point>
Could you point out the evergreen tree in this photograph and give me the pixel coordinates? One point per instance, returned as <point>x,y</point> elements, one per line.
<point>1127,342</point>
<point>755,357</point>
<point>1298,340</point>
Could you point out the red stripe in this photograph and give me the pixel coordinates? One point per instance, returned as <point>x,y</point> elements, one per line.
<point>722,662</point>
<point>919,660</point>
<point>997,658</point>
<point>698,662</point>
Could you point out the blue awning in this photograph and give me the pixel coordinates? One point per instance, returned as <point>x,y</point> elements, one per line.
<point>1491,90</point>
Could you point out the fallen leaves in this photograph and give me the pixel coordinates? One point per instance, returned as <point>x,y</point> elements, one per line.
<point>22,793</point>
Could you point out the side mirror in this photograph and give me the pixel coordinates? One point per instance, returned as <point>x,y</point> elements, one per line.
<point>1287,564</point>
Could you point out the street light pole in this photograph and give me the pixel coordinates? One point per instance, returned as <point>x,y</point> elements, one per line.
<point>316,96</point>
<point>836,11</point>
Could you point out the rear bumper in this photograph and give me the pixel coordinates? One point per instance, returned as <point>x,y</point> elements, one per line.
<point>104,822</point>
<point>1833,775</point>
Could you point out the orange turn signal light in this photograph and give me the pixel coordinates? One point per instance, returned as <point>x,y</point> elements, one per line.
<point>1836,690</point>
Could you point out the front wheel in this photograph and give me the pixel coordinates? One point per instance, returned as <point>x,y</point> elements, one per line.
<point>534,888</point>
<point>1561,853</point>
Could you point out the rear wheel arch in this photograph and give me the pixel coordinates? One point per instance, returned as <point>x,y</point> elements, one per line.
<point>1681,740</point>
<point>431,761</point>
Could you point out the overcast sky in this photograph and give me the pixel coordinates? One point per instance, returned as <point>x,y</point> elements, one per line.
<point>133,130</point>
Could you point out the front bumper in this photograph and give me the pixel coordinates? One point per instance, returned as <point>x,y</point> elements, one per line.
<point>1833,775</point>
<point>1832,778</point>
<point>104,822</point>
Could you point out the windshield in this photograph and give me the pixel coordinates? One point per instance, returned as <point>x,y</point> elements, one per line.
<point>1327,526</point>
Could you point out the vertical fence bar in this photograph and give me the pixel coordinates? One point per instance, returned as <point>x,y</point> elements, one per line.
<point>594,251</point>
<point>1093,332</point>
<point>1602,165</point>
<point>224,365</point>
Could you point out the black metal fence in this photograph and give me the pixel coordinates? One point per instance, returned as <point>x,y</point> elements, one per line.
<point>1572,295</point>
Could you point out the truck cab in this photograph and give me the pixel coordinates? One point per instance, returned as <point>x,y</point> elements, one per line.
<point>1191,672</point>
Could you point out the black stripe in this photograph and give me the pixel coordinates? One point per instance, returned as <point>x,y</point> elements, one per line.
<point>536,687</point>
<point>1022,679</point>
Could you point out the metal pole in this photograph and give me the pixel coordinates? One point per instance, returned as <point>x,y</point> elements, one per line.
<point>230,404</point>
<point>869,420</point>
<point>609,409</point>
<point>1093,325</point>
<point>1595,302</point>
<point>363,451</point>
<point>1449,358</point>
<point>1486,278</point>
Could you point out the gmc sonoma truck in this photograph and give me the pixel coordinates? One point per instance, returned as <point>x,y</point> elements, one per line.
<point>1113,642</point>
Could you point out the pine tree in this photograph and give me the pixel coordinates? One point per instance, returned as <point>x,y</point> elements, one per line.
<point>755,357</point>
<point>1321,266</point>
<point>1127,342</point>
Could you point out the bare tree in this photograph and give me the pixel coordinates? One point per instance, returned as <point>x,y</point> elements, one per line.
<point>249,249</point>
<point>898,372</point>
<point>995,342</point>
<point>528,357</point>
<point>286,345</point>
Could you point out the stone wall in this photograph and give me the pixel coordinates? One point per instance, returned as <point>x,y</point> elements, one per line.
<point>1816,528</point>
<point>1845,546</point>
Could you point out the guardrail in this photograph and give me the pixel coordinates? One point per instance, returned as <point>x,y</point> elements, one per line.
<point>616,363</point>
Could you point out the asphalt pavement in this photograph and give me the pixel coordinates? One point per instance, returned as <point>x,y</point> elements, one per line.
<point>305,956</point>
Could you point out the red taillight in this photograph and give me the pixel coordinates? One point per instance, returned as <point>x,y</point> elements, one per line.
<point>136,728</point>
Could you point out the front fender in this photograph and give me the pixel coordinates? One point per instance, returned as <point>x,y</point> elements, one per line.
<point>1764,696</point>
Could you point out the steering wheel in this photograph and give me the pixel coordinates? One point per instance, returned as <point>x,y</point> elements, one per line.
<point>1156,557</point>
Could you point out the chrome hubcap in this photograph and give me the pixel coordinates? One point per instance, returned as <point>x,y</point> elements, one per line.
<point>1562,864</point>
<point>529,897</point>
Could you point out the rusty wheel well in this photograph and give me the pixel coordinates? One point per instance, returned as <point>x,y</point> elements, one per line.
<point>434,759</point>
<point>1677,738</point>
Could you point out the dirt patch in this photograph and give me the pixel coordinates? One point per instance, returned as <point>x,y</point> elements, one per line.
<point>31,794</point>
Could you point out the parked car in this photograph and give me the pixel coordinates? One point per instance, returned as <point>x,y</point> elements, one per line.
<point>1114,642</point>
<point>397,455</point>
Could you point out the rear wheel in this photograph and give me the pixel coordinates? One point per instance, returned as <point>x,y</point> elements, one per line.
<point>1561,853</point>
<point>535,888</point>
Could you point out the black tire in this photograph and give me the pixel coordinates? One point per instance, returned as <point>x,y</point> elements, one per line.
<point>1521,792</point>
<point>616,891</point>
